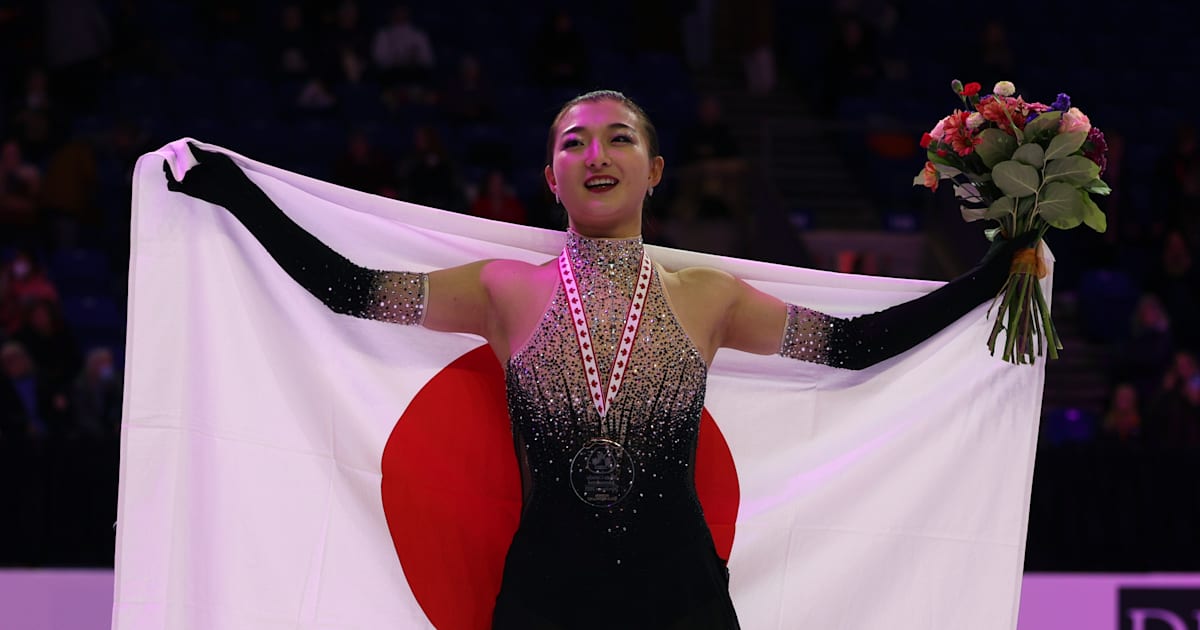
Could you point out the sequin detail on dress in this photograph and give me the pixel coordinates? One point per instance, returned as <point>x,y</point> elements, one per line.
<point>570,559</point>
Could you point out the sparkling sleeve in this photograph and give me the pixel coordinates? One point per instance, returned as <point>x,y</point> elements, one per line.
<point>343,286</point>
<point>859,342</point>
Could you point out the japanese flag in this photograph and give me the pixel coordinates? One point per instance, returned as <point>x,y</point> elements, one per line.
<point>283,466</point>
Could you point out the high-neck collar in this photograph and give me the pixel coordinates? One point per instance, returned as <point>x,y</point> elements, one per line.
<point>585,249</point>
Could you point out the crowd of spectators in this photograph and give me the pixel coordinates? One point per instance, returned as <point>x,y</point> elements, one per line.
<point>446,104</point>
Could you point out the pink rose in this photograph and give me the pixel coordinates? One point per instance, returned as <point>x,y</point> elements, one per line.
<point>1074,120</point>
<point>939,130</point>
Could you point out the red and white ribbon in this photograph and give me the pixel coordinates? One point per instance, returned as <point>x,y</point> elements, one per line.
<point>601,397</point>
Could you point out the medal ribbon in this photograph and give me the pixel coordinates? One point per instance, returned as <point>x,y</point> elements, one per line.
<point>602,398</point>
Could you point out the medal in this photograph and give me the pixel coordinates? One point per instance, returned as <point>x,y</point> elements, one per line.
<point>602,471</point>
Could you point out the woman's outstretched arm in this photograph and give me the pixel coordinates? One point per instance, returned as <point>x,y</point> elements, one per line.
<point>763,324</point>
<point>451,299</point>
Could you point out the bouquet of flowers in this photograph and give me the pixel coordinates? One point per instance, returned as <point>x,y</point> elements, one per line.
<point>1028,167</point>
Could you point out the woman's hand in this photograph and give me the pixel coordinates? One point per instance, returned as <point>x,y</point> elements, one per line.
<point>215,178</point>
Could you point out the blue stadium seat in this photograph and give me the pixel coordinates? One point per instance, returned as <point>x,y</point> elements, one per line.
<point>1065,425</point>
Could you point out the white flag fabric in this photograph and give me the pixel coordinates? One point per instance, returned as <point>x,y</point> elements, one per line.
<point>283,466</point>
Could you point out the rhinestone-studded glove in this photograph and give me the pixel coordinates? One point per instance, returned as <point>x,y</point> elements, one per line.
<point>860,342</point>
<point>343,286</point>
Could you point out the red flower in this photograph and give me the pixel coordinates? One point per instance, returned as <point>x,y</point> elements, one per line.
<point>925,140</point>
<point>941,153</point>
<point>958,136</point>
<point>970,89</point>
<point>992,108</point>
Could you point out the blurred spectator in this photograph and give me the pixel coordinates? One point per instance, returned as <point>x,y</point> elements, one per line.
<point>77,37</point>
<point>712,169</point>
<point>35,121</point>
<point>559,58</point>
<point>468,96</point>
<point>996,59</point>
<point>69,190</point>
<point>1148,351</point>
<point>496,201</point>
<point>710,137</point>
<point>22,283</point>
<point>1175,409</point>
<point>1182,171</point>
<point>96,396</point>
<point>365,167</point>
<point>45,336</point>
<point>854,64</point>
<point>1123,421</point>
<point>20,184</point>
<point>429,178</point>
<point>349,43</point>
<point>404,57</point>
<point>1177,282</point>
<point>295,54</point>
<point>30,407</point>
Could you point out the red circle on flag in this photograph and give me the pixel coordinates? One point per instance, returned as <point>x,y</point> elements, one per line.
<point>452,491</point>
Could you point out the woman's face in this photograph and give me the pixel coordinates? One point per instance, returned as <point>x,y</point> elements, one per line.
<point>601,168</point>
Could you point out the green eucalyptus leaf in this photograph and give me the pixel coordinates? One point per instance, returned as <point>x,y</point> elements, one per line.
<point>1001,207</point>
<point>1025,205</point>
<point>995,146</point>
<point>1045,123</point>
<point>1061,206</point>
<point>1065,144</point>
<point>1074,169</point>
<point>1031,154</point>
<point>1016,179</point>
<point>1097,187</point>
<point>1093,216</point>
<point>992,233</point>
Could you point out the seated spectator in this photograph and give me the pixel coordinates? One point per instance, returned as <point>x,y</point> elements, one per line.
<point>30,408</point>
<point>404,57</point>
<point>349,45</point>
<point>1177,281</point>
<point>1174,412</point>
<point>496,201</point>
<point>22,282</point>
<point>1123,421</point>
<point>710,137</point>
<point>428,176</point>
<point>559,58</point>
<point>45,336</point>
<point>20,185</point>
<point>468,97</point>
<point>365,167</point>
<point>295,49</point>
<point>712,172</point>
<point>36,123</point>
<point>96,396</point>
<point>1148,351</point>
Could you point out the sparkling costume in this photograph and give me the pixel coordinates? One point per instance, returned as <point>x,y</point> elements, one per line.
<point>646,560</point>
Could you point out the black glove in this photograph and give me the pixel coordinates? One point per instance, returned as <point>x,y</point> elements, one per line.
<point>343,286</point>
<point>215,179</point>
<point>859,342</point>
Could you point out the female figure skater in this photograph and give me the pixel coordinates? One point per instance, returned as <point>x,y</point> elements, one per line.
<point>606,355</point>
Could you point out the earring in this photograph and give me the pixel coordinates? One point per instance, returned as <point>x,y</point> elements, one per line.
<point>556,199</point>
<point>650,193</point>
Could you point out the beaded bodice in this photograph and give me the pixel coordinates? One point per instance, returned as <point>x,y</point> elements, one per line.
<point>655,414</point>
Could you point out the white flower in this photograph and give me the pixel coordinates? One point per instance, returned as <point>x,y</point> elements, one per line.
<point>974,121</point>
<point>1004,88</point>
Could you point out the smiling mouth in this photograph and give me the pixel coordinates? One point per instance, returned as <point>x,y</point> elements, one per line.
<point>600,184</point>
